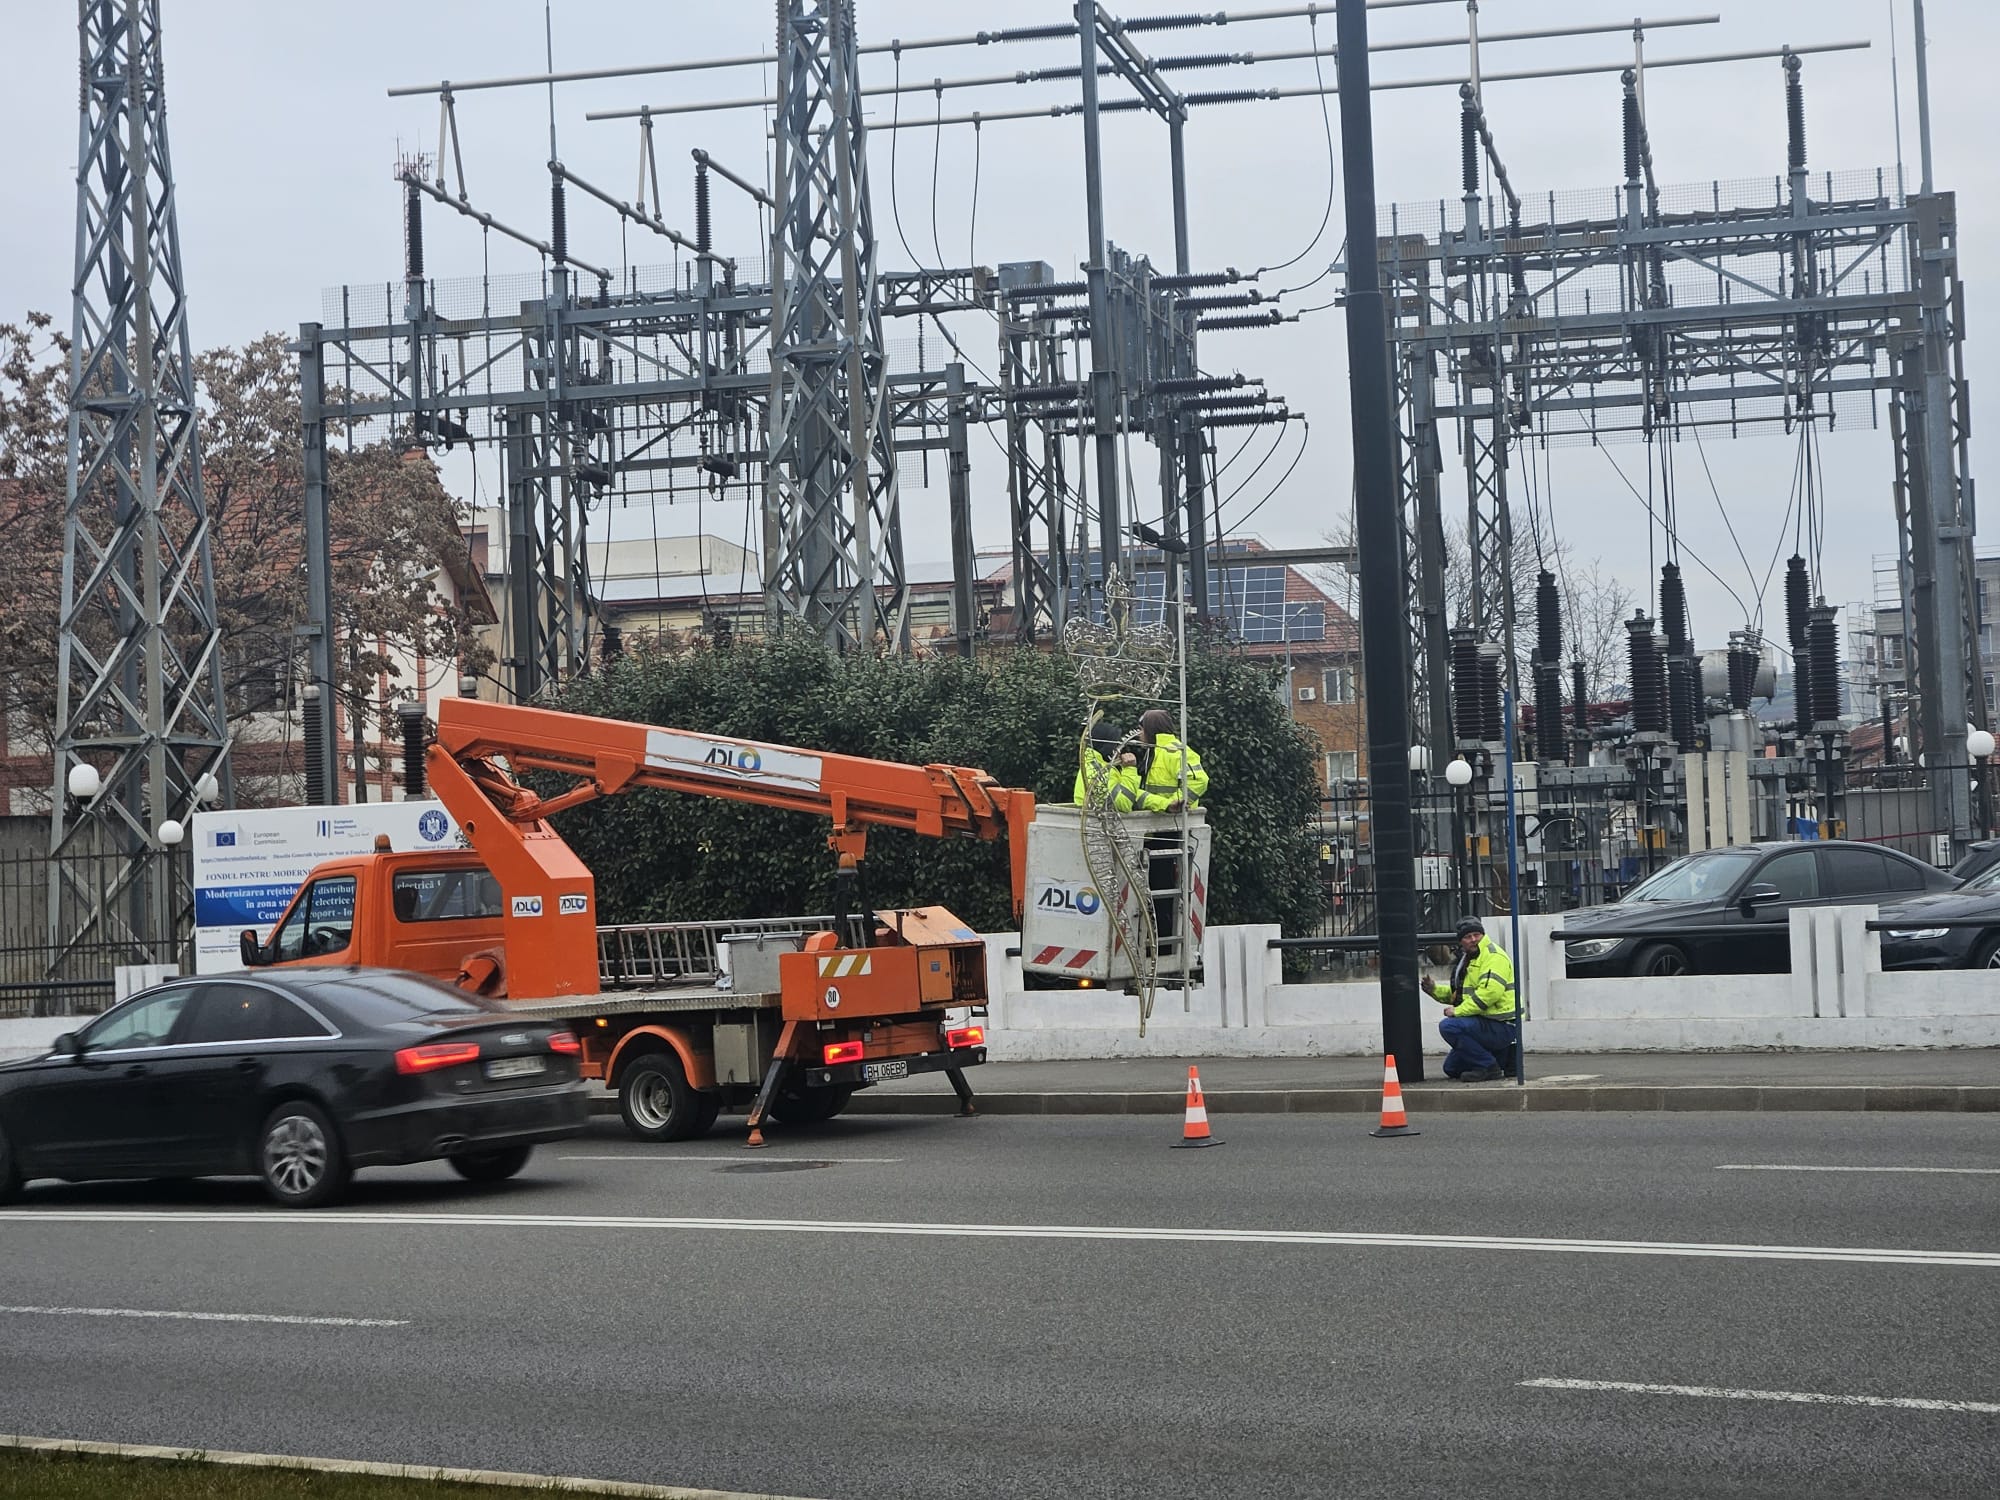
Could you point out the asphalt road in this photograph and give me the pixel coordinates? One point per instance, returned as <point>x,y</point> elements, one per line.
<point>928,1308</point>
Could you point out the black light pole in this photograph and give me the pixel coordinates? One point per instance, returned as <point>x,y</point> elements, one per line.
<point>1384,664</point>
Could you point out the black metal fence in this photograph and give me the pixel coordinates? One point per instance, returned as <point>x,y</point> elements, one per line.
<point>67,967</point>
<point>1588,835</point>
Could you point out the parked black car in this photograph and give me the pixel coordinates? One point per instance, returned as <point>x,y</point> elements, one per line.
<point>1977,860</point>
<point>1727,911</point>
<point>1923,944</point>
<point>298,1078</point>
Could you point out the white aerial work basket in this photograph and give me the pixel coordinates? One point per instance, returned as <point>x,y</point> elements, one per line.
<point>1144,925</point>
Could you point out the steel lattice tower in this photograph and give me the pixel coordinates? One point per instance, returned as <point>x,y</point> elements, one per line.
<point>833,539</point>
<point>139,680</point>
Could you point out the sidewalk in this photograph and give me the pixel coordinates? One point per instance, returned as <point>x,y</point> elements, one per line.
<point>1954,1080</point>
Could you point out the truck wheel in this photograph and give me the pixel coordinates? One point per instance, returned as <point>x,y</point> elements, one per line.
<point>655,1099</point>
<point>299,1156</point>
<point>1660,961</point>
<point>491,1166</point>
<point>711,1106</point>
<point>809,1106</point>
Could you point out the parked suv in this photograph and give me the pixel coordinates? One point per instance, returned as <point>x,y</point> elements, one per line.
<point>1727,911</point>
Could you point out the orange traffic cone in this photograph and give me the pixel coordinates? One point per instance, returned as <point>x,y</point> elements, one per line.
<point>1195,1131</point>
<point>1394,1121</point>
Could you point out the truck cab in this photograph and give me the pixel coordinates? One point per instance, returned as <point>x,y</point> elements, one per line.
<point>436,913</point>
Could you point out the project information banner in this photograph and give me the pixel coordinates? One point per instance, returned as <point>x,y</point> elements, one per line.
<point>249,864</point>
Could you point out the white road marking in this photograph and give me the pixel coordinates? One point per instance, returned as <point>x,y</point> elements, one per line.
<point>1567,1078</point>
<point>1791,1167</point>
<point>1810,1398</point>
<point>206,1317</point>
<point>1984,1260</point>
<point>721,1160</point>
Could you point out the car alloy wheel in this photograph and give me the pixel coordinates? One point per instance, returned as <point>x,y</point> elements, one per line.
<point>299,1156</point>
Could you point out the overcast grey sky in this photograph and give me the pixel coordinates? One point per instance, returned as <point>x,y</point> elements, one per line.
<point>283,142</point>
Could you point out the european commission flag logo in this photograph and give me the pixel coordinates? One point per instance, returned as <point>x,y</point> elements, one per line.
<point>225,838</point>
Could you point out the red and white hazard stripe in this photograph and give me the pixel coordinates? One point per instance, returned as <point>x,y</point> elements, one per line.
<point>844,965</point>
<point>1063,958</point>
<point>1198,907</point>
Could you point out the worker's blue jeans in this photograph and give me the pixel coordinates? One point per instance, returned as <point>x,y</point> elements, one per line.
<point>1476,1043</point>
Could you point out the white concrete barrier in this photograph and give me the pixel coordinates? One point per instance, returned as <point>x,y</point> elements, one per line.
<point>1836,997</point>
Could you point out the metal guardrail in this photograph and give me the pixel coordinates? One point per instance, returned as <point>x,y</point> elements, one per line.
<point>1918,924</point>
<point>1738,929</point>
<point>1360,944</point>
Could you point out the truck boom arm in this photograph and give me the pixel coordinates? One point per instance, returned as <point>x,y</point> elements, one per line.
<point>483,749</point>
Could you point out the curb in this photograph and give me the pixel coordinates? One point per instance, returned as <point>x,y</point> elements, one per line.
<point>500,1478</point>
<point>1470,1099</point>
<point>1499,1098</point>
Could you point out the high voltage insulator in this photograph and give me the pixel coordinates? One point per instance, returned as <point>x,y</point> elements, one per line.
<point>1548,709</point>
<point>1795,114</point>
<point>1823,652</point>
<point>701,220</point>
<point>1548,619</point>
<point>413,229</point>
<point>1048,289</point>
<point>1468,139</point>
<point>1674,608</point>
<point>558,218</point>
<point>1195,384</point>
<point>1492,721</point>
<point>1184,280</point>
<point>1632,154</point>
<point>1649,688</point>
<point>1743,654</point>
<point>1802,703</point>
<point>1242,320</point>
<point>1465,715</point>
<point>1579,697</point>
<point>1681,701</point>
<point>1798,598</point>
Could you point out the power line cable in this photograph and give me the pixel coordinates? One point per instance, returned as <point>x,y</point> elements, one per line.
<point>1648,504</point>
<point>1332,160</point>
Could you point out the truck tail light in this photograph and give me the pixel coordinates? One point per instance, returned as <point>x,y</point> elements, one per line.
<point>842,1052</point>
<point>435,1055</point>
<point>565,1042</point>
<point>965,1036</point>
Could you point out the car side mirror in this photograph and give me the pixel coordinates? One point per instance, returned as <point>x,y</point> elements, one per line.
<point>248,948</point>
<point>66,1045</point>
<point>1760,892</point>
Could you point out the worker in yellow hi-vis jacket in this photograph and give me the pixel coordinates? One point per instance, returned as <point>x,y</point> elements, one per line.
<point>1483,1025</point>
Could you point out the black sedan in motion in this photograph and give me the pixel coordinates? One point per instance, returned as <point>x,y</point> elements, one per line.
<point>1728,911</point>
<point>298,1078</point>
<point>1955,930</point>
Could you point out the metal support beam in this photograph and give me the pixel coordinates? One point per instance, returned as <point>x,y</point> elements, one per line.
<point>139,693</point>
<point>322,749</point>
<point>958,460</point>
<point>1103,378</point>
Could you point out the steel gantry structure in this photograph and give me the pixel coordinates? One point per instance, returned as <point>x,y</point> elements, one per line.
<point>1799,303</point>
<point>140,733</point>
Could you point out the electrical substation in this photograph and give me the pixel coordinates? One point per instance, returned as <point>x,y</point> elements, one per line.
<point>795,379</point>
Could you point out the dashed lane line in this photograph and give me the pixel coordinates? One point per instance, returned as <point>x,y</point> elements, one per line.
<point>1808,1398</point>
<point>718,1159</point>
<point>1311,1239</point>
<point>1779,1166</point>
<point>204,1317</point>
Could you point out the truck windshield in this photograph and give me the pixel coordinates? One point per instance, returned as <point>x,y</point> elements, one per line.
<point>1698,877</point>
<point>445,895</point>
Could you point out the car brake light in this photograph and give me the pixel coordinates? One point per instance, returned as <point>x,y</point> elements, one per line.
<point>428,1059</point>
<point>842,1052</point>
<point>965,1036</point>
<point>565,1041</point>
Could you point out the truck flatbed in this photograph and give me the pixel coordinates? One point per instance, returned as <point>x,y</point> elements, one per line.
<point>680,998</point>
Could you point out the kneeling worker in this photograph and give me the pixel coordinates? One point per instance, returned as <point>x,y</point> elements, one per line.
<point>1482,1025</point>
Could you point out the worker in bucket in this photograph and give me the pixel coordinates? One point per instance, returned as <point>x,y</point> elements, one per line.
<point>1108,762</point>
<point>1482,1027</point>
<point>1173,769</point>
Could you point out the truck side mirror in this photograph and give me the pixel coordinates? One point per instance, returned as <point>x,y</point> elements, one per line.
<point>1760,892</point>
<point>248,948</point>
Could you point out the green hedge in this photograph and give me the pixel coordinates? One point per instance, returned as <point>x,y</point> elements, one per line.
<point>1013,713</point>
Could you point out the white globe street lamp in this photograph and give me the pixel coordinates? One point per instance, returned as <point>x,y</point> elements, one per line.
<point>1420,758</point>
<point>84,782</point>
<point>170,832</point>
<point>1979,743</point>
<point>1458,773</point>
<point>207,788</point>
